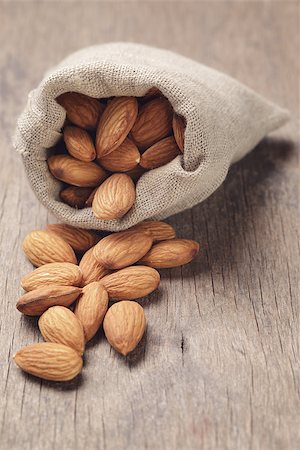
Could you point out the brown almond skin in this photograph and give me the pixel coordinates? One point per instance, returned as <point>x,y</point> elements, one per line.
<point>74,196</point>
<point>41,248</point>
<point>79,239</point>
<point>154,92</point>
<point>173,253</point>
<point>160,231</point>
<point>160,153</point>
<point>91,308</point>
<point>131,283</point>
<point>115,124</point>
<point>51,274</point>
<point>79,144</point>
<point>178,125</point>
<point>82,110</point>
<point>125,157</point>
<point>59,324</point>
<point>114,198</point>
<point>136,173</point>
<point>35,302</point>
<point>50,361</point>
<point>124,326</point>
<point>78,173</point>
<point>90,199</point>
<point>122,249</point>
<point>91,269</point>
<point>153,123</point>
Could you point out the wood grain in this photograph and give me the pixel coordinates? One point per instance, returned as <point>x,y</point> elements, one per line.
<point>219,366</point>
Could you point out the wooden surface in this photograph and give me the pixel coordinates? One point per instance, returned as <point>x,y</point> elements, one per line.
<point>219,367</point>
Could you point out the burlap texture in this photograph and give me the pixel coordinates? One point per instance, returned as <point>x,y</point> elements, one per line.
<point>225,120</point>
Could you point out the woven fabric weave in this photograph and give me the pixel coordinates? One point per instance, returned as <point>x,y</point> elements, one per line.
<point>225,120</point>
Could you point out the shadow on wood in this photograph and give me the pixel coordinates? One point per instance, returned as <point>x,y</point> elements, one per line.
<point>134,358</point>
<point>222,223</point>
<point>59,385</point>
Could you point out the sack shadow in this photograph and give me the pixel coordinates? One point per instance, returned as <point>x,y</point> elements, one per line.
<point>225,222</point>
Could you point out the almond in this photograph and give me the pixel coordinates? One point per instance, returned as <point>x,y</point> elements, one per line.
<point>124,158</point>
<point>82,110</point>
<point>91,307</point>
<point>122,249</point>
<point>160,153</point>
<point>79,144</point>
<point>153,123</point>
<point>114,198</point>
<point>90,268</point>
<point>34,303</point>
<point>173,253</point>
<point>179,124</point>
<point>131,282</point>
<point>136,173</point>
<point>124,326</point>
<point>59,324</point>
<point>74,196</point>
<point>150,95</point>
<point>115,124</point>
<point>75,172</point>
<point>160,231</point>
<point>41,248</point>
<point>90,198</point>
<point>64,274</point>
<point>50,361</point>
<point>79,239</point>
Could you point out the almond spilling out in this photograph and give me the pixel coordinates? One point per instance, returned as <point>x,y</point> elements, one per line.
<point>122,249</point>
<point>81,110</point>
<point>114,198</point>
<point>171,253</point>
<point>41,248</point>
<point>160,231</point>
<point>78,173</point>
<point>160,153</point>
<point>125,157</point>
<point>153,123</point>
<point>77,197</point>
<point>124,326</point>
<point>91,269</point>
<point>80,240</point>
<point>115,124</point>
<point>59,324</point>
<point>107,145</point>
<point>35,302</point>
<point>131,283</point>
<point>91,307</point>
<point>105,273</point>
<point>51,274</point>
<point>79,144</point>
<point>178,130</point>
<point>50,361</point>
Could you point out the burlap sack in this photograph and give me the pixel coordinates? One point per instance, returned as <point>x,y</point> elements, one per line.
<point>225,120</point>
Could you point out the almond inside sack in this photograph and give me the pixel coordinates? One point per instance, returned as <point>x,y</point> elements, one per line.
<point>224,121</point>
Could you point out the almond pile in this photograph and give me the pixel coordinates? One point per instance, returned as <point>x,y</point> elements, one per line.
<point>74,299</point>
<point>108,144</point>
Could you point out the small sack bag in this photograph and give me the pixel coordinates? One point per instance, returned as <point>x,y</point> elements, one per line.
<point>224,118</point>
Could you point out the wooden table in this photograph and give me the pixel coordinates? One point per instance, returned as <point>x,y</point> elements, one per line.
<point>219,367</point>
